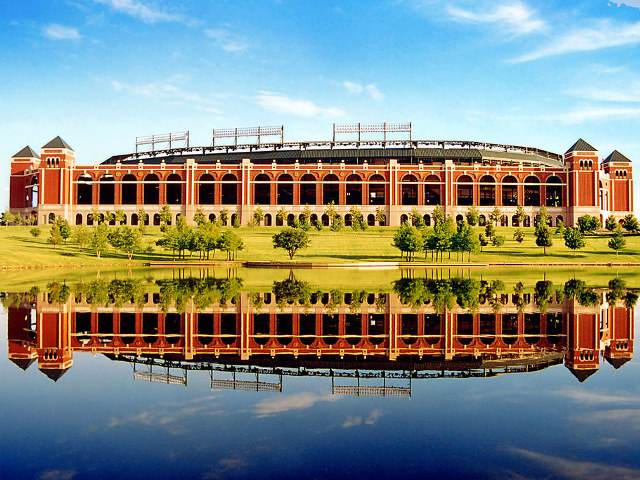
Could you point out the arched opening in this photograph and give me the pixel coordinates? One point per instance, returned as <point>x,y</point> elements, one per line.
<point>553,194</point>
<point>151,189</point>
<point>487,191</point>
<point>464,328</point>
<point>330,189</point>
<point>174,189</point>
<point>205,328</point>
<point>509,191</point>
<point>527,221</point>
<point>84,190</point>
<point>353,328</point>
<point>284,328</point>
<point>459,218</point>
<point>409,190</point>
<point>371,220</point>
<point>234,218</point>
<point>313,219</point>
<point>267,220</point>
<point>134,219</point>
<point>107,190</point>
<point>308,189</point>
<point>307,324</point>
<point>89,219</point>
<point>262,189</point>
<point>78,219</point>
<point>129,189</point>
<point>206,190</point>
<point>377,187</point>
<point>354,190</point>
<point>330,330</point>
<point>409,326</point>
<point>325,220</point>
<point>403,219</point>
<point>285,189</point>
<point>229,189</point>
<point>156,219</point>
<point>261,330</point>
<point>532,191</point>
<point>559,219</point>
<point>510,328</point>
<point>487,328</point>
<point>432,190</point>
<point>482,220</point>
<point>465,190</point>
<point>348,221</point>
<point>51,218</point>
<point>291,220</point>
<point>212,217</point>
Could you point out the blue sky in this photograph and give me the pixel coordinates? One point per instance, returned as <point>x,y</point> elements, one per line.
<point>101,72</point>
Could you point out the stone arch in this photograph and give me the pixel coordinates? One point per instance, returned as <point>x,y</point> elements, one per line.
<point>330,189</point>
<point>404,219</point>
<point>129,190</point>
<point>553,192</point>
<point>377,189</point>
<point>409,190</point>
<point>267,220</point>
<point>106,194</point>
<point>532,191</point>
<point>78,219</point>
<point>229,189</point>
<point>371,220</point>
<point>262,189</point>
<point>84,190</point>
<point>308,184</point>
<point>206,189</point>
<point>509,191</point>
<point>151,189</point>
<point>487,191</point>
<point>285,189</point>
<point>174,189</point>
<point>353,189</point>
<point>464,187</point>
<point>432,190</point>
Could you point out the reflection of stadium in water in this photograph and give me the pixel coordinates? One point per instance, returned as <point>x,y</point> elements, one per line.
<point>376,337</point>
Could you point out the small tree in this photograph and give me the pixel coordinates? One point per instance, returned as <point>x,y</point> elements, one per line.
<point>55,237</point>
<point>495,215</point>
<point>588,224</point>
<point>281,216</point>
<point>543,235</point>
<point>438,216</point>
<point>81,235</point>
<point>119,217</point>
<point>617,242</point>
<point>35,232</point>
<point>610,223</point>
<point>257,218</point>
<point>630,223</point>
<point>224,217</point>
<point>99,239</point>
<point>560,228</point>
<point>573,239</point>
<point>489,230</point>
<point>473,216</point>
<point>381,218</point>
<point>497,240</point>
<point>231,243</point>
<point>416,218</point>
<point>357,219</point>
<point>518,235</point>
<point>520,215</point>
<point>465,240</point>
<point>483,241</point>
<point>408,240</point>
<point>165,215</point>
<point>125,239</point>
<point>143,219</point>
<point>292,240</point>
<point>235,221</point>
<point>199,217</point>
<point>64,228</point>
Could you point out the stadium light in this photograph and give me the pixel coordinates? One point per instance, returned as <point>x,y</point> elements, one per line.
<point>257,132</point>
<point>163,139</point>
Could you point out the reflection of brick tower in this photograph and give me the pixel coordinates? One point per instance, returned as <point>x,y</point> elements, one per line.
<point>22,339</point>
<point>583,341</point>
<point>620,348</point>
<point>54,344</point>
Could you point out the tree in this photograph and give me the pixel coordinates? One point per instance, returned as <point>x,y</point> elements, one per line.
<point>520,215</point>
<point>464,239</point>
<point>35,232</point>
<point>617,242</point>
<point>489,230</point>
<point>165,215</point>
<point>416,218</point>
<point>482,240</point>
<point>81,235</point>
<point>473,216</point>
<point>55,237</point>
<point>305,219</point>
<point>497,240</point>
<point>292,240</point>
<point>438,215</point>
<point>573,239</point>
<point>443,234</point>
<point>235,221</point>
<point>630,223</point>
<point>224,216</point>
<point>119,216</point>
<point>208,237</point>
<point>518,235</point>
<point>231,243</point>
<point>588,224</point>
<point>99,239</point>
<point>125,239</point>
<point>381,218</point>
<point>495,215</point>
<point>257,218</point>
<point>64,227</point>
<point>199,218</point>
<point>281,216</point>
<point>408,240</point>
<point>143,219</point>
<point>560,228</point>
<point>543,235</point>
<point>610,223</point>
<point>357,219</point>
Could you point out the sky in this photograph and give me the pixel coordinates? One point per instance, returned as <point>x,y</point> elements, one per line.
<point>101,72</point>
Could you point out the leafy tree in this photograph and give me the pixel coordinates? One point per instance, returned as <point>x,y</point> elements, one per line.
<point>465,240</point>
<point>610,223</point>
<point>99,238</point>
<point>231,243</point>
<point>109,218</point>
<point>199,217</point>
<point>489,230</point>
<point>119,216</point>
<point>495,215</point>
<point>235,221</point>
<point>416,218</point>
<point>381,218</point>
<point>497,240</point>
<point>520,215</point>
<point>35,232</point>
<point>305,219</point>
<point>143,219</point>
<point>208,237</point>
<point>438,215</point>
<point>588,224</point>
<point>81,235</point>
<point>630,223</point>
<point>573,238</point>
<point>292,240</point>
<point>165,215</point>
<point>441,239</point>
<point>518,235</point>
<point>7,218</point>
<point>64,228</point>
<point>617,242</point>
<point>408,240</point>
<point>55,237</point>
<point>126,239</point>
<point>473,216</point>
<point>543,236</point>
<point>358,222</point>
<point>560,228</point>
<point>482,240</point>
<point>257,218</point>
<point>281,216</point>
<point>224,216</point>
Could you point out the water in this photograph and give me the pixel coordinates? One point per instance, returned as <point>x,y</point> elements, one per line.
<point>231,377</point>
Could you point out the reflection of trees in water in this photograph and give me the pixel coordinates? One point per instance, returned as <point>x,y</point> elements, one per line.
<point>204,292</point>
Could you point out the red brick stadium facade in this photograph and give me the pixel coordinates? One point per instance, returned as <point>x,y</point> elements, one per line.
<point>393,178</point>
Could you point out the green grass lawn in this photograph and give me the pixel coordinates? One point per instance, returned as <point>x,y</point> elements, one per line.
<point>19,249</point>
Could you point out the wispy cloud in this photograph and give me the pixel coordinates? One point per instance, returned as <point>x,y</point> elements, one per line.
<point>357,88</point>
<point>371,419</point>
<point>227,40</point>
<point>56,474</point>
<point>167,91</point>
<point>278,103</point>
<point>627,95</point>
<point>596,398</point>
<point>605,34</point>
<point>56,31</point>
<point>628,3</point>
<point>142,11</point>
<point>587,114</point>
<point>287,403</point>
<point>513,17</point>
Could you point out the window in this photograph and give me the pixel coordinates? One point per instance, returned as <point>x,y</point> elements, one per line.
<point>465,190</point>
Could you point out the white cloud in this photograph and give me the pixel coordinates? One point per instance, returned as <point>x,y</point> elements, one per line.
<point>601,36</point>
<point>514,17</point>
<point>227,40</point>
<point>628,3</point>
<point>141,11</point>
<point>167,91</point>
<point>287,403</point>
<point>58,475</point>
<point>596,398</point>
<point>298,107</point>
<point>585,114</point>
<point>371,419</point>
<point>55,31</point>
<point>630,95</point>
<point>357,88</point>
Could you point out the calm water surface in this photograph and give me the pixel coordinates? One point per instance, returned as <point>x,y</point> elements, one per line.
<point>204,378</point>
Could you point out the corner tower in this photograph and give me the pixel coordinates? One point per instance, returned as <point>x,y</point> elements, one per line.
<point>23,182</point>
<point>581,161</point>
<point>57,160</point>
<point>619,169</point>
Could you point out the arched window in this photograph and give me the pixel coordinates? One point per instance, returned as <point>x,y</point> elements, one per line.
<point>330,189</point>
<point>553,195</point>
<point>78,219</point>
<point>532,191</point>
<point>409,190</point>
<point>285,189</point>
<point>206,190</point>
<point>354,190</point>
<point>156,219</point>
<point>308,189</point>
<point>509,191</point>
<point>134,219</point>
<point>377,187</point>
<point>85,190</point>
<point>267,220</point>
<point>262,189</point>
<point>107,190</point>
<point>465,190</point>
<point>427,220</point>
<point>371,220</point>
<point>151,189</point>
<point>129,189</point>
<point>174,189</point>
<point>432,190</point>
<point>229,189</point>
<point>487,191</point>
